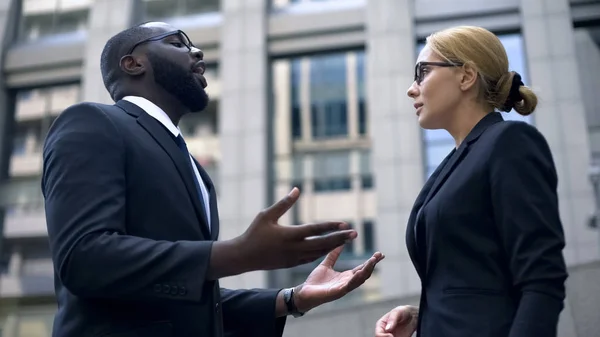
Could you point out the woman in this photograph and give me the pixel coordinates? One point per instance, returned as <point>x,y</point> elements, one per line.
<point>484,234</point>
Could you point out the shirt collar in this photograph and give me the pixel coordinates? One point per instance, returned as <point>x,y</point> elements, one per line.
<point>154,111</point>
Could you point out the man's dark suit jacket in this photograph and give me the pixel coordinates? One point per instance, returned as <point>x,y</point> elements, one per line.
<point>129,241</point>
<point>486,239</point>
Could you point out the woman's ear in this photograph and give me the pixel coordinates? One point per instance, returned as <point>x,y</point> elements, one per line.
<point>468,77</point>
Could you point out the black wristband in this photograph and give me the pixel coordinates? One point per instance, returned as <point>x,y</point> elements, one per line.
<point>288,298</point>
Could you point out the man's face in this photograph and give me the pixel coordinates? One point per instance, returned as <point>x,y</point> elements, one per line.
<point>178,66</point>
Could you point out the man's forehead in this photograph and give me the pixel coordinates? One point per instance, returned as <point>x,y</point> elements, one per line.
<point>159,27</point>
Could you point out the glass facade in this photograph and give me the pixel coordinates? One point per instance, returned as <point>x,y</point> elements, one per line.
<point>163,9</point>
<point>438,143</point>
<point>322,146</point>
<point>44,18</point>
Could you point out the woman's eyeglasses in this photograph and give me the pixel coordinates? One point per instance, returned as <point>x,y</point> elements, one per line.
<point>421,65</point>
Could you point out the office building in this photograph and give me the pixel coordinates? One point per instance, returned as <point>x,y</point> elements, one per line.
<point>309,94</point>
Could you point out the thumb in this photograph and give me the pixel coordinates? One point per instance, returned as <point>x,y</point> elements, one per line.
<point>332,257</point>
<point>396,316</point>
<point>279,208</point>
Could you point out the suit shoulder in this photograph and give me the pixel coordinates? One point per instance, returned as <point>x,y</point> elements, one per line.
<point>89,108</point>
<point>508,132</point>
<point>519,140</point>
<point>85,117</point>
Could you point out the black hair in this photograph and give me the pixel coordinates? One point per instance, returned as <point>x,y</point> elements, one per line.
<point>114,49</point>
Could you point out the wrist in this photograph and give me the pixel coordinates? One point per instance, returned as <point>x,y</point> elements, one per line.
<point>301,303</point>
<point>227,259</point>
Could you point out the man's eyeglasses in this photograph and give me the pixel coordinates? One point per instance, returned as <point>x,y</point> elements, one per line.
<point>421,65</point>
<point>185,40</point>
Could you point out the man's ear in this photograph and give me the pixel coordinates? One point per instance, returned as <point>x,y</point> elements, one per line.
<point>468,77</point>
<point>131,65</point>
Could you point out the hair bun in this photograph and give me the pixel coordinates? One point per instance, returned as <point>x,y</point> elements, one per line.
<point>514,94</point>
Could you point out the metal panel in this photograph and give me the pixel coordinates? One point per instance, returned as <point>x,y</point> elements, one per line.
<point>316,43</point>
<point>45,54</point>
<point>41,77</point>
<point>285,25</point>
<point>585,12</point>
<point>429,10</point>
<point>493,22</point>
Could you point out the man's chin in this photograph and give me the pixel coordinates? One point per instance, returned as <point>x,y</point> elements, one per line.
<point>196,107</point>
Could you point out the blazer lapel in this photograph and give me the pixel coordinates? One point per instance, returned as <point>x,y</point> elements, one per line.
<point>456,157</point>
<point>415,216</point>
<point>165,140</point>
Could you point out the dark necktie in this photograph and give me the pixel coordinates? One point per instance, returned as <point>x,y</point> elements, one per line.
<point>181,144</point>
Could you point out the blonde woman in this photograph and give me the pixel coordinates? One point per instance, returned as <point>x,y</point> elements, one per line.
<point>484,234</point>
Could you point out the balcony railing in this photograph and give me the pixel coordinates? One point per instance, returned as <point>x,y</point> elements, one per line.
<point>12,286</point>
<point>29,164</point>
<point>204,148</point>
<point>22,223</point>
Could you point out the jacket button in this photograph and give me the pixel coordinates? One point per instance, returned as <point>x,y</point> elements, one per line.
<point>182,291</point>
<point>157,288</point>
<point>166,288</point>
<point>174,290</point>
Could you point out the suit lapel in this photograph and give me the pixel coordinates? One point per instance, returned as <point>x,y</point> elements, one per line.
<point>456,157</point>
<point>432,186</point>
<point>415,216</point>
<point>165,140</point>
<point>214,211</point>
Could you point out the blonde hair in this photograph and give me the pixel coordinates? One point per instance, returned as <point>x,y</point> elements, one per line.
<point>483,50</point>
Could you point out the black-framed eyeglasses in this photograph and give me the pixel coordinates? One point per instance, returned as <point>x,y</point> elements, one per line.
<point>185,40</point>
<point>419,68</point>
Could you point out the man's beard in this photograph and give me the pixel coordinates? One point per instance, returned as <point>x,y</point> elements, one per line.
<point>179,82</point>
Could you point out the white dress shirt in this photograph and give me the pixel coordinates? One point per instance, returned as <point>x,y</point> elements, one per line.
<point>158,114</point>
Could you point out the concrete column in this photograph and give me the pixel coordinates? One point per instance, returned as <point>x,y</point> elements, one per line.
<point>244,123</point>
<point>550,44</point>
<point>396,151</point>
<point>107,18</point>
<point>8,20</point>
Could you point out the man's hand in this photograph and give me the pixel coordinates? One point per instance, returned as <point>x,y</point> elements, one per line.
<point>324,284</point>
<point>267,245</point>
<point>400,322</point>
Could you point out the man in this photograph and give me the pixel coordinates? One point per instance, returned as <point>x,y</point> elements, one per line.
<point>133,221</point>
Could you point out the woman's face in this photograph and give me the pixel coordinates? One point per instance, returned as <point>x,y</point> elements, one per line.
<point>435,91</point>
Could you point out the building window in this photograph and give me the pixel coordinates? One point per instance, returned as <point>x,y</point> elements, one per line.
<point>331,171</point>
<point>35,111</point>
<point>368,236</point>
<point>329,115</point>
<point>362,105</point>
<point>365,171</point>
<point>295,98</point>
<point>32,322</point>
<point>51,17</point>
<point>439,143</point>
<point>322,96</point>
<point>162,9</point>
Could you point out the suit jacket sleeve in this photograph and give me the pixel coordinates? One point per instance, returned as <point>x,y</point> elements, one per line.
<point>84,186</point>
<point>251,313</point>
<point>525,206</point>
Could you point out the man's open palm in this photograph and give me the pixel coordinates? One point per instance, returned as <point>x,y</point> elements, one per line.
<point>324,284</point>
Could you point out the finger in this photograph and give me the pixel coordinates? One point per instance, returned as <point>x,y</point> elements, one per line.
<point>377,256</point>
<point>332,257</point>
<point>383,334</point>
<point>327,242</point>
<point>279,208</point>
<point>397,316</point>
<point>363,274</point>
<point>380,327</point>
<point>318,229</point>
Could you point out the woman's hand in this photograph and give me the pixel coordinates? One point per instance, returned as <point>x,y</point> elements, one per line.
<point>400,322</point>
